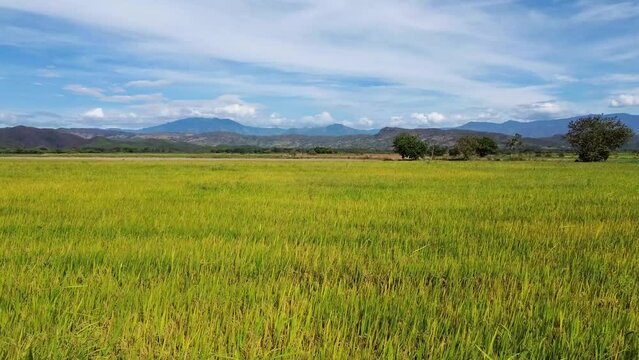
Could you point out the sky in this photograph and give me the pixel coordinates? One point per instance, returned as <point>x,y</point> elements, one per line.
<point>300,63</point>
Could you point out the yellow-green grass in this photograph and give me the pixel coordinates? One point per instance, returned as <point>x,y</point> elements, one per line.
<point>258,259</point>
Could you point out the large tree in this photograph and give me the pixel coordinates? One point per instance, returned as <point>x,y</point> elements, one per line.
<point>470,146</point>
<point>467,146</point>
<point>409,146</point>
<point>595,137</point>
<point>486,146</point>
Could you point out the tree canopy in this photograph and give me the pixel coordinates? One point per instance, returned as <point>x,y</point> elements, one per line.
<point>595,137</point>
<point>409,146</point>
<point>470,146</point>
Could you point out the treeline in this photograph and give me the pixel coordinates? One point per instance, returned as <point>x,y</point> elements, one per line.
<point>592,138</point>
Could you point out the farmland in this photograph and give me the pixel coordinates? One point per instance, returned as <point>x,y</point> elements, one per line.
<point>324,259</point>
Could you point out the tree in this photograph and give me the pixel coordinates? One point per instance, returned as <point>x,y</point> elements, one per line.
<point>454,151</point>
<point>437,150</point>
<point>515,143</point>
<point>470,146</point>
<point>595,137</point>
<point>486,146</point>
<point>409,146</point>
<point>467,146</point>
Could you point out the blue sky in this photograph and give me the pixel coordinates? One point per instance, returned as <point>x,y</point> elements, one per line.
<point>288,63</point>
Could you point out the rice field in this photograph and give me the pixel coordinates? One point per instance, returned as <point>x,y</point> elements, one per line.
<point>327,259</point>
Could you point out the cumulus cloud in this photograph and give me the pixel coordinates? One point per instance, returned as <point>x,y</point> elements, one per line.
<point>237,109</point>
<point>321,119</point>
<point>147,83</point>
<point>96,113</point>
<point>276,119</point>
<point>625,100</point>
<point>228,106</point>
<point>432,118</point>
<point>363,123</point>
<point>539,110</point>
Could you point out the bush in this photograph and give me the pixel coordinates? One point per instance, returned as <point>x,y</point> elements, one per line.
<point>322,150</point>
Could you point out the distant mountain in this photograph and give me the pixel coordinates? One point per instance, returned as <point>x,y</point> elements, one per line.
<point>89,133</point>
<point>330,130</point>
<point>383,140</point>
<point>102,144</point>
<point>540,128</point>
<point>208,125</point>
<point>24,137</point>
<point>96,140</point>
<point>205,125</point>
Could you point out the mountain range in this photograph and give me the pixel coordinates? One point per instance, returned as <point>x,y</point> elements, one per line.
<point>202,134</point>
<point>207,125</point>
<point>532,129</point>
<point>542,128</point>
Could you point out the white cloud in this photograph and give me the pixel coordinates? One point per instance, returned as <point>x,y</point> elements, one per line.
<point>321,119</point>
<point>237,109</point>
<point>619,49</point>
<point>99,94</point>
<point>477,59</point>
<point>47,73</point>
<point>132,98</point>
<point>116,89</point>
<point>7,119</point>
<point>228,106</point>
<point>565,78</point>
<point>83,90</point>
<point>363,123</point>
<point>433,118</point>
<point>625,100</point>
<point>600,11</point>
<point>35,118</point>
<point>616,78</point>
<point>147,83</point>
<point>276,119</point>
<point>539,110</point>
<point>409,36</point>
<point>96,113</point>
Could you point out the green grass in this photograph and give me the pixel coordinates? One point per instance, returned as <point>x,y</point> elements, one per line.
<point>257,259</point>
